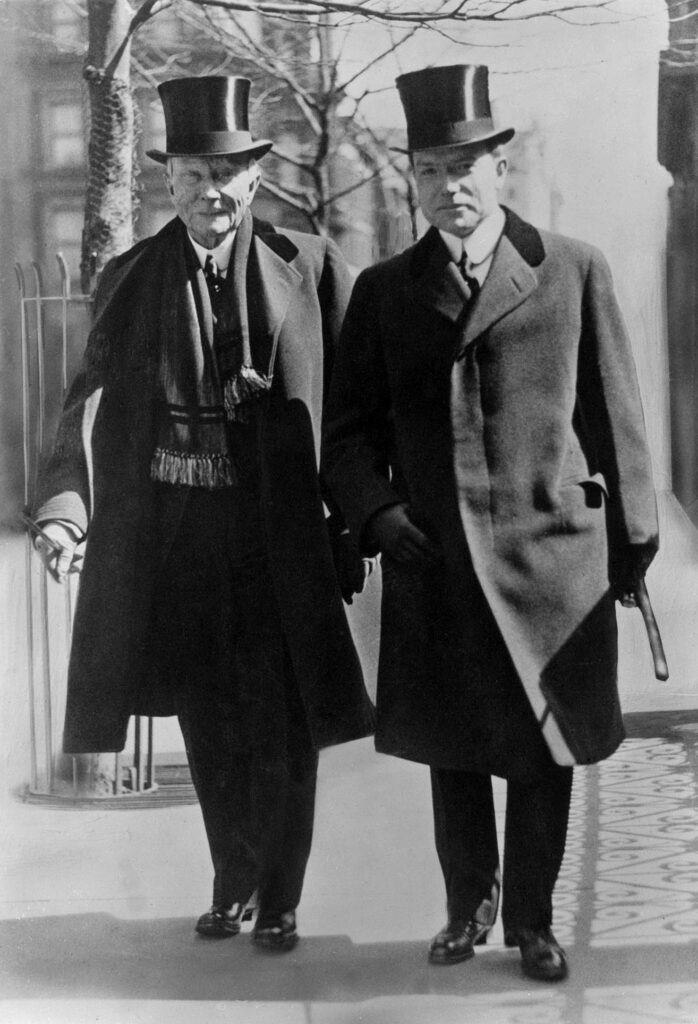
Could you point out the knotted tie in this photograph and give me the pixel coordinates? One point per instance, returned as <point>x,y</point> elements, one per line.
<point>472,282</point>
<point>243,385</point>
<point>214,280</point>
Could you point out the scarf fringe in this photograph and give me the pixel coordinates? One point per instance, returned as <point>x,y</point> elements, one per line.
<point>209,470</point>
<point>242,390</point>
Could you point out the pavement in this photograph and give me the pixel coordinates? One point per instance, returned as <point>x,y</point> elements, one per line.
<point>98,904</point>
<point>97,908</point>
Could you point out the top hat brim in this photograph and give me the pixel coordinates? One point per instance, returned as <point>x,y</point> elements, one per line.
<point>258,148</point>
<point>494,138</point>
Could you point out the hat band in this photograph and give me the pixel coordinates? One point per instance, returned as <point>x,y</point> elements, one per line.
<point>209,143</point>
<point>449,133</point>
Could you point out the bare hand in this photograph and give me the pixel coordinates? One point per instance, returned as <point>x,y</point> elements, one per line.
<point>58,549</point>
<point>396,535</point>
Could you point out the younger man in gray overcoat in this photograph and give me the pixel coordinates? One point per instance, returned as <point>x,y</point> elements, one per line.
<point>187,456</point>
<point>484,433</point>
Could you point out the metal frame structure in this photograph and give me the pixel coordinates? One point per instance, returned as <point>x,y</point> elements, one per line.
<point>46,670</point>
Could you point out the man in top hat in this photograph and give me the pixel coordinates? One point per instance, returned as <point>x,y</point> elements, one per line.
<point>484,433</point>
<point>187,457</point>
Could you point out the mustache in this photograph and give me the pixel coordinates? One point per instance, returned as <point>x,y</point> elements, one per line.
<point>233,206</point>
<point>227,202</point>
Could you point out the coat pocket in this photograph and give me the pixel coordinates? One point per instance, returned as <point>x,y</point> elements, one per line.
<point>581,504</point>
<point>409,614</point>
<point>595,480</point>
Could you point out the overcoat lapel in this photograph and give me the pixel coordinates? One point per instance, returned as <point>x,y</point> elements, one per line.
<point>438,283</point>
<point>271,284</point>
<point>509,283</point>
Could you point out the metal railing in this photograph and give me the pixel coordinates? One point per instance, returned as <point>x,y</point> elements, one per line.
<point>53,329</point>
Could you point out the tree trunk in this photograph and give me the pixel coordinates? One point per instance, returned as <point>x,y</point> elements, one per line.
<point>327,119</point>
<point>109,208</point>
<point>108,230</point>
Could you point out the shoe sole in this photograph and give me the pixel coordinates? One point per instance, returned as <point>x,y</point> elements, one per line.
<point>269,945</point>
<point>558,975</point>
<point>222,934</point>
<point>445,960</point>
<point>537,974</point>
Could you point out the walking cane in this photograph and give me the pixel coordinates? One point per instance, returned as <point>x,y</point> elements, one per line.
<point>642,598</point>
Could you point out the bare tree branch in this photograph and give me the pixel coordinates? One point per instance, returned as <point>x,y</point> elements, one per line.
<point>269,60</point>
<point>147,11</point>
<point>294,52</point>
<point>378,59</point>
<point>462,11</point>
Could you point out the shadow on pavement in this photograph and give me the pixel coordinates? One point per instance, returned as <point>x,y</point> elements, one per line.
<point>93,956</point>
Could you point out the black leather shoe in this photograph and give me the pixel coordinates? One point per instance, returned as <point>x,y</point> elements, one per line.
<point>275,932</point>
<point>542,957</point>
<point>456,942</point>
<point>220,922</point>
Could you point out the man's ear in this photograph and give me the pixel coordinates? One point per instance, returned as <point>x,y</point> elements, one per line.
<point>501,169</point>
<point>255,180</point>
<point>168,183</point>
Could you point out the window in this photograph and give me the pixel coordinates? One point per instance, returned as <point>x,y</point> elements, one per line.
<point>63,233</point>
<point>64,136</point>
<point>67,24</point>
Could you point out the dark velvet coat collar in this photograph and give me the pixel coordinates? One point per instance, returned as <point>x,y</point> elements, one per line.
<point>437,283</point>
<point>274,254</point>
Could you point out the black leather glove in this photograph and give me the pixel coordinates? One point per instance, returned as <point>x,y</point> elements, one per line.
<point>351,568</point>
<point>627,569</point>
<point>394,533</point>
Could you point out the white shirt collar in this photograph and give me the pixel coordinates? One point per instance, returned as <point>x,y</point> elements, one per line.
<point>221,253</point>
<point>479,245</point>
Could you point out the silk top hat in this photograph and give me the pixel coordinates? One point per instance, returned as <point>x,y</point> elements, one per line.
<point>207,116</point>
<point>448,106</point>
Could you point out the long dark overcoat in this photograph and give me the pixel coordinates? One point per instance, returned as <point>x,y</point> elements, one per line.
<point>513,428</point>
<point>98,478</point>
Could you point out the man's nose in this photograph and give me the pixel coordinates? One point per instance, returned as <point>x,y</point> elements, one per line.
<point>210,188</point>
<point>456,182</point>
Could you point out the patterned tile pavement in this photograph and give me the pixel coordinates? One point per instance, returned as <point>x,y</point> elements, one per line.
<point>94,930</point>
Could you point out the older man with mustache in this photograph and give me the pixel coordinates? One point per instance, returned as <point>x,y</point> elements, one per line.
<point>187,460</point>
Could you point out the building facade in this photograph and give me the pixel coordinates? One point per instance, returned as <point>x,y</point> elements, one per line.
<point>44,122</point>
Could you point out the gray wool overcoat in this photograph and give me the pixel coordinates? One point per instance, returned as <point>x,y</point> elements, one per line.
<point>512,427</point>
<point>98,478</point>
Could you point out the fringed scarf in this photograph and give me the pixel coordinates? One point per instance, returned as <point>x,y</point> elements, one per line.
<point>206,379</point>
<point>242,383</point>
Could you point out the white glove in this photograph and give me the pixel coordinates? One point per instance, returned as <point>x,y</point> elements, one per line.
<point>64,557</point>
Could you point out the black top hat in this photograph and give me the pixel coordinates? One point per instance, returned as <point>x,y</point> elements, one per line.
<point>448,106</point>
<point>207,116</point>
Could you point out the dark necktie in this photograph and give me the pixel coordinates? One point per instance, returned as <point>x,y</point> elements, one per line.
<point>223,344</point>
<point>472,282</point>
<point>214,280</point>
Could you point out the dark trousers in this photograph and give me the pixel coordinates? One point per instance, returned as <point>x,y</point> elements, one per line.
<point>219,643</point>
<point>258,811</point>
<point>537,814</point>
